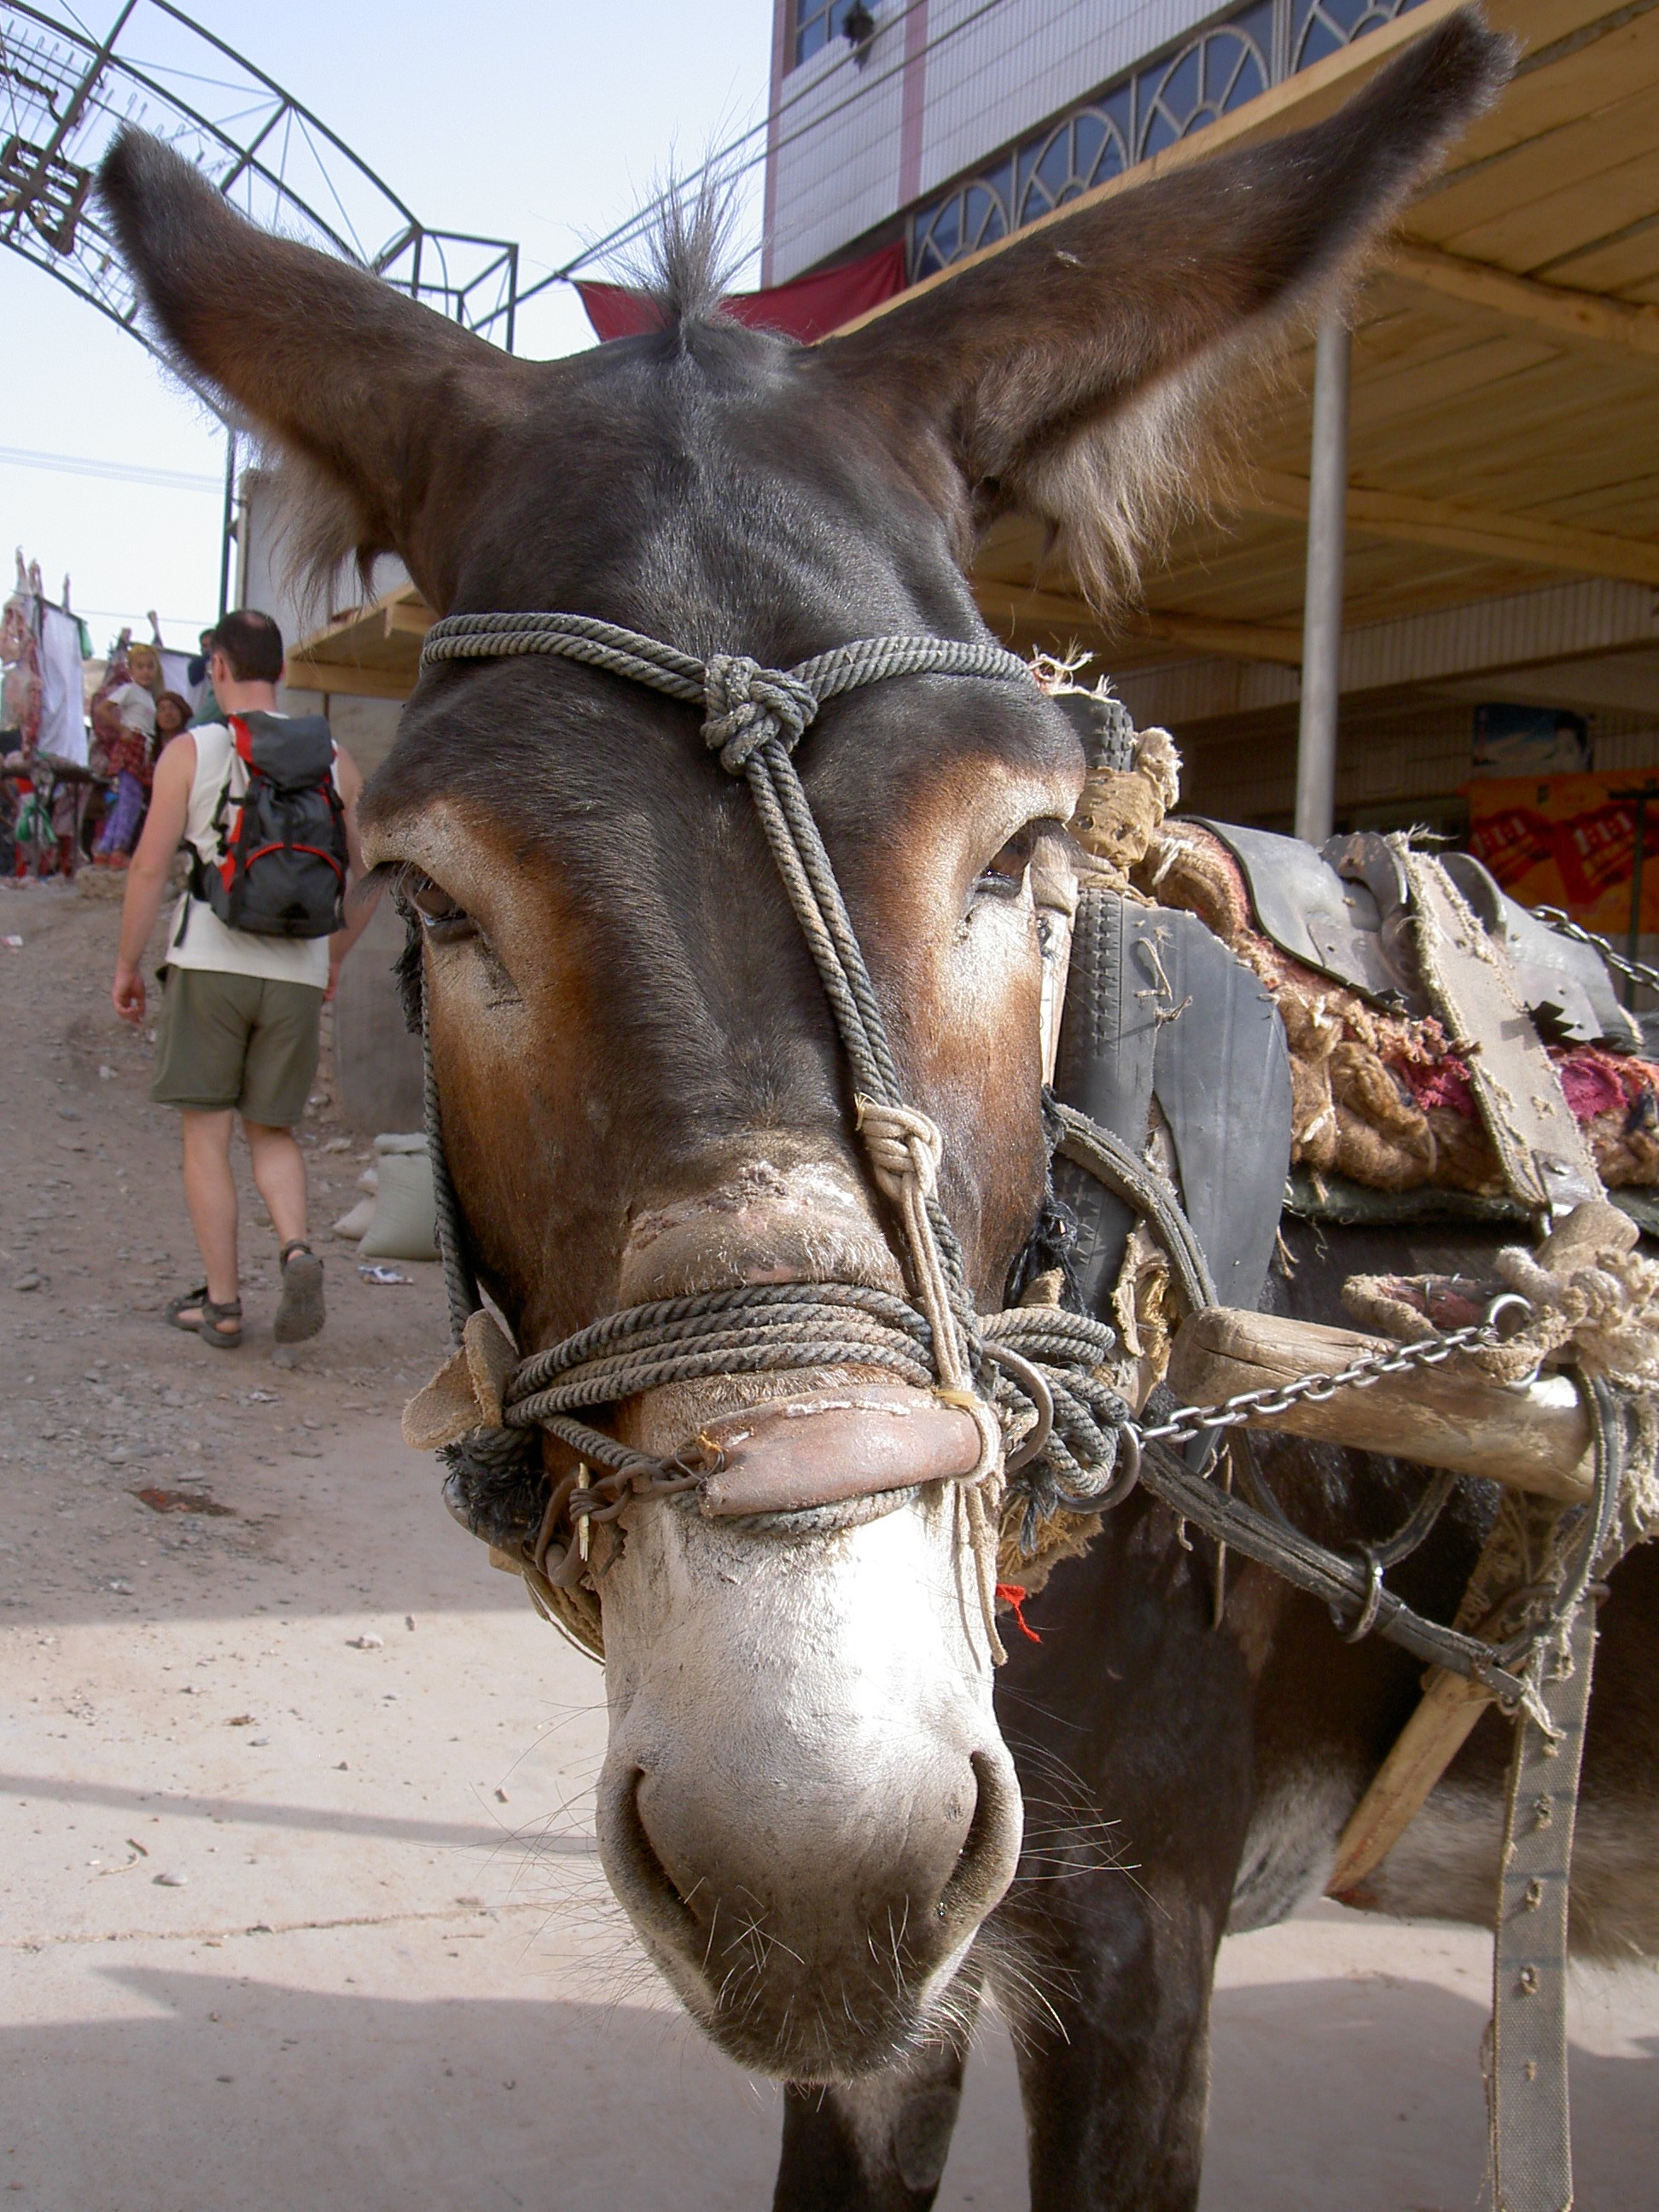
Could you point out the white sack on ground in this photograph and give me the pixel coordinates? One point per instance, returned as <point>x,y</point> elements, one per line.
<point>405,1221</point>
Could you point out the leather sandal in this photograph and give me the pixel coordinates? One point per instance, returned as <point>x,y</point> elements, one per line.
<point>300,1309</point>
<point>210,1314</point>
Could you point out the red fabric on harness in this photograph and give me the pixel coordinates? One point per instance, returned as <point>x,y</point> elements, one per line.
<point>1594,1084</point>
<point>1443,1083</point>
<point>1012,1594</point>
<point>807,309</point>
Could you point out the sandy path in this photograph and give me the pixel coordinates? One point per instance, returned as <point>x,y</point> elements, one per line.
<point>300,1907</point>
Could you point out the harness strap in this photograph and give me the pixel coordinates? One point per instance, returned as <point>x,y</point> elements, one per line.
<point>1531,2148</point>
<point>1527,2063</point>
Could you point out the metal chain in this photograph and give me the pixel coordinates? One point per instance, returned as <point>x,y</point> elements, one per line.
<point>1637,971</point>
<point>1313,1388</point>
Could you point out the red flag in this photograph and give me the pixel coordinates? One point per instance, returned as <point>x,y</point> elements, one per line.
<point>807,309</point>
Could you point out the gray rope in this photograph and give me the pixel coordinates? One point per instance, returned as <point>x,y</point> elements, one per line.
<point>753,719</point>
<point>762,1329</point>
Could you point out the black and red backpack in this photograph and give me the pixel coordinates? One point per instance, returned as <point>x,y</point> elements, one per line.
<point>280,869</point>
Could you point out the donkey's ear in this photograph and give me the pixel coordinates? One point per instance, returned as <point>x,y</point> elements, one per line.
<point>1065,371</point>
<point>376,398</point>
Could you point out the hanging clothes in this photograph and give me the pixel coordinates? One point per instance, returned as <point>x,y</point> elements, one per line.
<point>62,712</point>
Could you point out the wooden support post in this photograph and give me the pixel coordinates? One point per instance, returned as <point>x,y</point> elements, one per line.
<point>1427,1745</point>
<point>1322,620</point>
<point>1536,1439</point>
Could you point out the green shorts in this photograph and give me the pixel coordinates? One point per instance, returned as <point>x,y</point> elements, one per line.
<point>244,1042</point>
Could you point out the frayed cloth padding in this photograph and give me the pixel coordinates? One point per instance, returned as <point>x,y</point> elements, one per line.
<point>1336,1199</point>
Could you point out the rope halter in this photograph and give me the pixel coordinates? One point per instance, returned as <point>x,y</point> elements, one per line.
<point>749,706</point>
<point>753,718</point>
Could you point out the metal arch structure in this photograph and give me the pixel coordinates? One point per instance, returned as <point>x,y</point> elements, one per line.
<point>66,90</point>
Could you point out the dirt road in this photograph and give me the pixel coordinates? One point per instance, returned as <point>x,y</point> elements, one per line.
<point>300,1907</point>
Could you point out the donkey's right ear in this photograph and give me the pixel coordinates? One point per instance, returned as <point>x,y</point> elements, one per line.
<point>380,401</point>
<point>1064,372</point>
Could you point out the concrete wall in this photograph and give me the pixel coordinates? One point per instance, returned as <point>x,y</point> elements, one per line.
<point>377,1062</point>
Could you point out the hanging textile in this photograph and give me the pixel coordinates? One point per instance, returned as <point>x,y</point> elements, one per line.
<point>63,708</point>
<point>807,309</point>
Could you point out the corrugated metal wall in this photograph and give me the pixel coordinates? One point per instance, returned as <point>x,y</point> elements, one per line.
<point>1419,762</point>
<point>1558,622</point>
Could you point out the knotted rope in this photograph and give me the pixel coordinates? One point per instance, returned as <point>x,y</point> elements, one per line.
<point>753,717</point>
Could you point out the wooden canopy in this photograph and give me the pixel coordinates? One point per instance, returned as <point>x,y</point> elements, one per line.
<point>1502,533</point>
<point>367,652</point>
<point>1502,514</point>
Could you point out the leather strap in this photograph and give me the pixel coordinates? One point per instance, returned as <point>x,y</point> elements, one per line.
<point>1547,1163</point>
<point>1527,2083</point>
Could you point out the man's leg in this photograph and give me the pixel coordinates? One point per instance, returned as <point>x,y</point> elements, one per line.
<point>277,1076</point>
<point>211,1195</point>
<point>279,1169</point>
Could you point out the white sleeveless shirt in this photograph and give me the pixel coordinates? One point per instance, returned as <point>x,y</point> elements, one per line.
<point>196,936</point>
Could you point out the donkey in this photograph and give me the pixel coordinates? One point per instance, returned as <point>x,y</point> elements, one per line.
<point>812,1806</point>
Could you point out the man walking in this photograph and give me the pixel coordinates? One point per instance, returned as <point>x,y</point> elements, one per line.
<point>266,807</point>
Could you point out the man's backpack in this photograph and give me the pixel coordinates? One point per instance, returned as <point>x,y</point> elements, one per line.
<point>281,870</point>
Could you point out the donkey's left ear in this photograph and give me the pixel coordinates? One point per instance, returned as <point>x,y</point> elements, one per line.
<point>381,405</point>
<point>1063,372</point>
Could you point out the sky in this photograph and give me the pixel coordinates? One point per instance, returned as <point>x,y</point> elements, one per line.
<point>548,124</point>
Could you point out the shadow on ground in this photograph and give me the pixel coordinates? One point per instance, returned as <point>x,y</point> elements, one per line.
<point>220,2092</point>
<point>1365,2092</point>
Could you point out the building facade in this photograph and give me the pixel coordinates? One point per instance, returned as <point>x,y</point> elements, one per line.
<point>953,122</point>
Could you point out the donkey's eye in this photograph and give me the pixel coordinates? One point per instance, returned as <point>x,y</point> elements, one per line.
<point>441,917</point>
<point>1005,874</point>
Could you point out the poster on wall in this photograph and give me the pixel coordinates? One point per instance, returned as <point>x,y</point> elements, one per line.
<point>1530,741</point>
<point>1570,841</point>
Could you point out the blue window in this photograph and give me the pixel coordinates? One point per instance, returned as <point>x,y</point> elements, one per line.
<point>818,21</point>
<point>1150,107</point>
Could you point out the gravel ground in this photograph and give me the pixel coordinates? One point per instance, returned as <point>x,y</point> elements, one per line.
<point>301,1905</point>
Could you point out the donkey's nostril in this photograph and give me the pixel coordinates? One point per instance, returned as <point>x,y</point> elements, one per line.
<point>990,1850</point>
<point>635,1866</point>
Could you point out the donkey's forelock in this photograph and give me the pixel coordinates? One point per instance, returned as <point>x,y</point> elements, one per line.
<point>682,260</point>
<point>686,254</point>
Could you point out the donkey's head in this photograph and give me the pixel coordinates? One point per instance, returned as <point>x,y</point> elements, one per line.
<point>807,1808</point>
